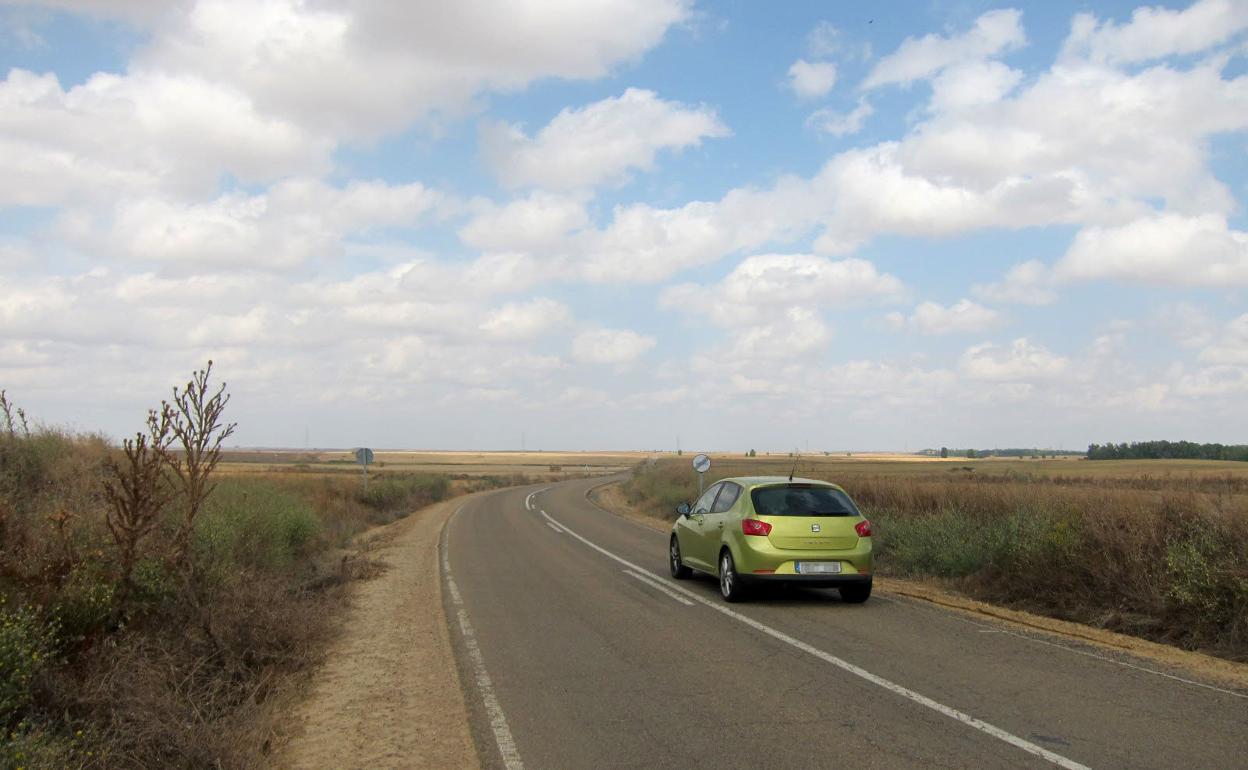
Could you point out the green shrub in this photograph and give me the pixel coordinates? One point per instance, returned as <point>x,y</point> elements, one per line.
<point>84,604</point>
<point>1205,583</point>
<point>27,643</point>
<point>252,523</point>
<point>401,494</point>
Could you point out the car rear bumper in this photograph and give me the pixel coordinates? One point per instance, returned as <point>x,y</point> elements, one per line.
<point>759,558</point>
<point>813,581</point>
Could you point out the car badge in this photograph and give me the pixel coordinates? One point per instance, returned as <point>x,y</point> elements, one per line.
<point>814,527</point>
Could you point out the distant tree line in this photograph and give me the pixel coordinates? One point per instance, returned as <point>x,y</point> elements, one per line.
<point>1168,450</point>
<point>1008,452</point>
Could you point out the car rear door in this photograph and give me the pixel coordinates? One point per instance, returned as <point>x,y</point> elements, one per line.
<point>724,511</point>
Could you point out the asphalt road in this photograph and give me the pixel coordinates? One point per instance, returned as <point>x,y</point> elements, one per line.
<point>576,650</point>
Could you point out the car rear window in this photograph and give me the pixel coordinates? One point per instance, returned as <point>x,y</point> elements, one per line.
<point>802,500</point>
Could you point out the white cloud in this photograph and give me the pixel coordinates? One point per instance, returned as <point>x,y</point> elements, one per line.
<point>1156,32</point>
<point>811,80</point>
<point>1231,346</point>
<point>1212,382</point>
<point>993,33</point>
<point>1166,248</point>
<point>539,223</point>
<point>524,320</point>
<point>264,91</point>
<point>791,332</point>
<point>1027,283</point>
<point>768,286</point>
<point>599,143</point>
<point>142,133</point>
<point>318,65</point>
<point>1191,326</point>
<point>292,222</point>
<point>972,83</point>
<point>610,346</point>
<point>644,243</point>
<point>960,317</point>
<point>841,123</point>
<point>1022,361</point>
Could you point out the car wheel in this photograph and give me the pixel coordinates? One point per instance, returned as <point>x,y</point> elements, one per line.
<point>679,570</point>
<point>729,581</point>
<point>856,594</point>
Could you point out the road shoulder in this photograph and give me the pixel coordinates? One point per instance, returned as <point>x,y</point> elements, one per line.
<point>388,694</point>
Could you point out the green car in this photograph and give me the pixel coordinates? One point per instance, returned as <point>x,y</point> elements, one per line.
<point>774,529</point>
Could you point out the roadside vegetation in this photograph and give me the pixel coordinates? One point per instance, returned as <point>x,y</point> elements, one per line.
<point>1158,551</point>
<point>151,608</point>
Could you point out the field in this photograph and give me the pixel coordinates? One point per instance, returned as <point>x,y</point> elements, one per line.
<point>534,465</point>
<point>1154,548</point>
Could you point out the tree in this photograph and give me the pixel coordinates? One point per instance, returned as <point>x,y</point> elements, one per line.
<point>971,454</point>
<point>944,451</point>
<point>194,419</point>
<point>136,491</point>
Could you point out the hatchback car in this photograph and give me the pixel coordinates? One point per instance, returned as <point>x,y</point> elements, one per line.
<point>774,529</point>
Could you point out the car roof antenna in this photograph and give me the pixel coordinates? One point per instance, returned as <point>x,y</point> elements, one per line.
<point>797,456</point>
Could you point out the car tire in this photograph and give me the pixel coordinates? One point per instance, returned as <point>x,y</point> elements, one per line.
<point>730,586</point>
<point>678,568</point>
<point>857,593</point>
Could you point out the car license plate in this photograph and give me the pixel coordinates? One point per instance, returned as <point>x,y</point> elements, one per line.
<point>818,567</point>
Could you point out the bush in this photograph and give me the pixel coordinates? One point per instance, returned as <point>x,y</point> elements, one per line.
<point>27,643</point>
<point>399,495</point>
<point>248,523</point>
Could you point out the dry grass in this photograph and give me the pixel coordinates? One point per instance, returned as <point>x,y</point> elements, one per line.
<point>1157,549</point>
<point>180,668</point>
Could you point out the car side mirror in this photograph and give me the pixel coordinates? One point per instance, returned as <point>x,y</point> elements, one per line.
<point>683,509</point>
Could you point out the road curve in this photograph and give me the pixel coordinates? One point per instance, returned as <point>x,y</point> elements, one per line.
<point>576,650</point>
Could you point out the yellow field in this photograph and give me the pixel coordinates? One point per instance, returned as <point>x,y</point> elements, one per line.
<point>886,464</point>
<point>533,464</point>
<point>558,464</point>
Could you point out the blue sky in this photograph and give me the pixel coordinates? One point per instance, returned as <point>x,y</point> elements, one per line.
<point>605,224</point>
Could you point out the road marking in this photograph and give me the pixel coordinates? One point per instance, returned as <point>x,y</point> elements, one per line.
<point>555,527</point>
<point>1145,669</point>
<point>528,501</point>
<point>845,665</point>
<point>493,710</point>
<point>658,586</point>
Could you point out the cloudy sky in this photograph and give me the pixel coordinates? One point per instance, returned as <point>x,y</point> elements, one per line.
<point>606,223</point>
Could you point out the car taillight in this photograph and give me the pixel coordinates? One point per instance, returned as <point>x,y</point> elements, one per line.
<point>755,527</point>
<point>863,528</point>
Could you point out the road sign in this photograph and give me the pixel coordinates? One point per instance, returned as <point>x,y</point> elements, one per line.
<point>701,463</point>
<point>364,456</point>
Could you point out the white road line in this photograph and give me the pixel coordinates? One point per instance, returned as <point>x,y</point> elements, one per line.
<point>555,527</point>
<point>905,692</point>
<point>656,585</point>
<point>528,501</point>
<point>493,710</point>
<point>984,629</point>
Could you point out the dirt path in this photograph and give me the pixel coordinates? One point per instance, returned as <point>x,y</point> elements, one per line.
<point>388,695</point>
